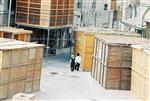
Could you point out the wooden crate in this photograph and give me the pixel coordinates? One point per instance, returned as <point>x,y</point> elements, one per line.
<point>84,44</point>
<point>140,71</point>
<point>15,33</point>
<point>39,12</point>
<point>17,73</point>
<point>112,60</point>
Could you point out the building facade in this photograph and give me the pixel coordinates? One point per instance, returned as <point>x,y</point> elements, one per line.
<point>94,13</point>
<point>3,12</point>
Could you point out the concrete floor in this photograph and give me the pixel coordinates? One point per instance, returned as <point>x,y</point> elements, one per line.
<point>59,83</point>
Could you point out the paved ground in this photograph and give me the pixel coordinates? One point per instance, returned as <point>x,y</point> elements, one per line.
<point>59,83</point>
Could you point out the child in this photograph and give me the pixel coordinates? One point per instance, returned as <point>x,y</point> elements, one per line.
<point>72,62</point>
<point>77,61</point>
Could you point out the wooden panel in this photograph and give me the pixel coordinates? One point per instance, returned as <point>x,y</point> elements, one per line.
<point>37,71</point>
<point>35,1</point>
<point>140,86</point>
<point>30,70</point>
<point>12,89</point>
<point>25,54</point>
<point>5,58</point>
<point>34,19</point>
<point>111,78</point>
<point>140,71</point>
<point>29,85</point>
<point>32,54</point>
<point>36,85</point>
<point>39,53</point>
<point>140,62</point>
<point>84,46</point>
<point>4,75</point>
<point>3,91</point>
<point>22,17</point>
<point>45,11</point>
<point>20,86</point>
<point>15,58</point>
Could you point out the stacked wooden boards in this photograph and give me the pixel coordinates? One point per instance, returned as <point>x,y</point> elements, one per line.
<point>140,79</point>
<point>84,43</point>
<point>20,67</point>
<point>15,33</point>
<point>39,12</point>
<point>112,60</point>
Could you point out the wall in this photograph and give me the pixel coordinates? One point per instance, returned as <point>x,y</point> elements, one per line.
<point>3,12</point>
<point>93,17</point>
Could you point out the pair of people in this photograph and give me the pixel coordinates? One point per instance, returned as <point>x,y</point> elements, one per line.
<point>75,62</point>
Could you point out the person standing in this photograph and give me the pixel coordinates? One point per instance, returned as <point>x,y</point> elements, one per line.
<point>77,61</point>
<point>72,63</point>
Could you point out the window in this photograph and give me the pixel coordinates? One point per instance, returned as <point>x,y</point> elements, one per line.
<point>94,4</point>
<point>79,5</point>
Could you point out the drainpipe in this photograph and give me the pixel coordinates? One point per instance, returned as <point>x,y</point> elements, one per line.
<point>9,16</point>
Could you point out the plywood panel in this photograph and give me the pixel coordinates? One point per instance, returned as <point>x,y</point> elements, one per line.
<point>36,85</point>
<point>3,91</point>
<point>32,54</point>
<point>5,59</point>
<point>140,71</point>
<point>4,75</point>
<point>15,57</point>
<point>12,89</point>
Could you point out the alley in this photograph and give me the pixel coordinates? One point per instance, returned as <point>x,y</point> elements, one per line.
<point>59,83</point>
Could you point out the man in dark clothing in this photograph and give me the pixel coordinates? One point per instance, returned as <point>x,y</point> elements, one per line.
<point>72,63</point>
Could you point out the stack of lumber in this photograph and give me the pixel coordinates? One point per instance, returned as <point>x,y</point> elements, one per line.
<point>140,79</point>
<point>112,59</point>
<point>38,12</point>
<point>15,33</point>
<point>20,67</point>
<point>84,42</point>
